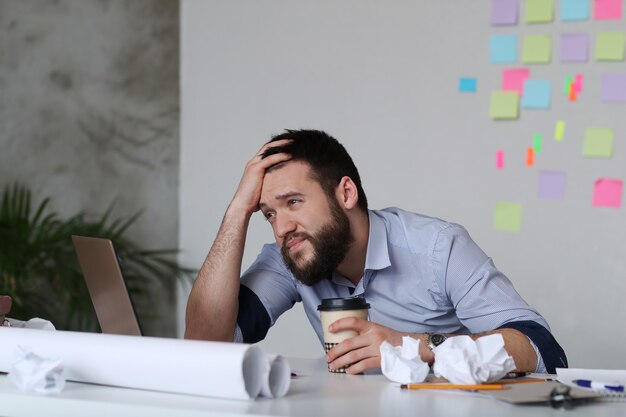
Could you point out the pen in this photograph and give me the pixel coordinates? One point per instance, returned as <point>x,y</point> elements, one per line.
<point>598,385</point>
<point>481,387</point>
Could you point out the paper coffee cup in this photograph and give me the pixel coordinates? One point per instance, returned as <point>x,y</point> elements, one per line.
<point>333,309</point>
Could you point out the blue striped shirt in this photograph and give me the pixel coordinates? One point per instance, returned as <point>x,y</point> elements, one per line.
<point>422,274</point>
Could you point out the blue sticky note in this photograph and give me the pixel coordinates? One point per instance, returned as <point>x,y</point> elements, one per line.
<point>537,94</point>
<point>467,84</point>
<point>503,49</point>
<point>575,10</point>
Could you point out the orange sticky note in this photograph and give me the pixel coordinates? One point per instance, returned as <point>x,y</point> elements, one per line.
<point>607,192</point>
<point>530,157</point>
<point>572,92</point>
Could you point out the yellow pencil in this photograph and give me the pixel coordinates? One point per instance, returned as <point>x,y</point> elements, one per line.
<point>478,387</point>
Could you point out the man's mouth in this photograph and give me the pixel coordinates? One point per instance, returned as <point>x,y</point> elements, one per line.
<point>294,243</point>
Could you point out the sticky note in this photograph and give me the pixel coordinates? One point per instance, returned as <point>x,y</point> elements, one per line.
<point>613,88</point>
<point>504,105</point>
<point>607,9</point>
<point>607,192</point>
<point>559,129</point>
<point>574,47</point>
<point>610,46</point>
<point>574,10</point>
<point>537,94</point>
<point>507,217</point>
<point>552,184</point>
<point>571,96</point>
<point>467,84</point>
<point>500,159</point>
<point>537,49</point>
<point>598,142</point>
<point>578,83</point>
<point>504,12</point>
<point>569,80</point>
<point>513,79</point>
<point>537,139</point>
<point>539,11</point>
<point>530,157</point>
<point>503,48</point>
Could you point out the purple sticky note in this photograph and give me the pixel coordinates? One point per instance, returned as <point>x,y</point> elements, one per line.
<point>552,184</point>
<point>574,47</point>
<point>613,89</point>
<point>504,12</point>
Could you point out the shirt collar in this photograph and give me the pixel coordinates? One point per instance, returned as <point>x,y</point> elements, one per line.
<point>377,250</point>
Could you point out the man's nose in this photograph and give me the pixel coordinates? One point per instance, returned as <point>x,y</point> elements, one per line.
<point>284,225</point>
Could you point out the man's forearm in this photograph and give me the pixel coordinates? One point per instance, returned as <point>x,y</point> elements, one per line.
<point>516,345</point>
<point>213,302</point>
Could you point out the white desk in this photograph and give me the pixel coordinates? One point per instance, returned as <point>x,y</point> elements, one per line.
<point>316,393</point>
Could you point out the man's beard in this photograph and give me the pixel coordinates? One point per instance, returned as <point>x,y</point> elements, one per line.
<point>330,245</point>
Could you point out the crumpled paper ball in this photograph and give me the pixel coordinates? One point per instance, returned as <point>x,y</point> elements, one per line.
<point>462,360</point>
<point>403,364</point>
<point>33,373</point>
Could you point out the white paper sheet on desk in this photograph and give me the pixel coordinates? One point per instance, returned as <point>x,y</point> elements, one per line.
<point>610,376</point>
<point>213,369</point>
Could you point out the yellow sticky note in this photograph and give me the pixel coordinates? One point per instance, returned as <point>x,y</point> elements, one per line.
<point>539,11</point>
<point>559,129</point>
<point>610,46</point>
<point>537,49</point>
<point>504,105</point>
<point>598,142</point>
<point>507,217</point>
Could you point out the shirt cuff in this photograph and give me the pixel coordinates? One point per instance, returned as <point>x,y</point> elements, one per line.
<point>541,367</point>
<point>238,337</point>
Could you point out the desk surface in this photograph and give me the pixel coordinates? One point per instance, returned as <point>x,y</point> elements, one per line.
<point>314,393</point>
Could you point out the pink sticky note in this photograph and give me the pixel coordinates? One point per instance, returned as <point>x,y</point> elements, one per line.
<point>513,79</point>
<point>578,83</point>
<point>607,9</point>
<point>607,193</point>
<point>500,159</point>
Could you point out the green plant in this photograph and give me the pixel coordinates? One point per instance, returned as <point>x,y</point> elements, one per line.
<point>39,269</point>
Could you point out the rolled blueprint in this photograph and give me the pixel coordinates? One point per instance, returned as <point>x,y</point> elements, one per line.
<point>214,369</point>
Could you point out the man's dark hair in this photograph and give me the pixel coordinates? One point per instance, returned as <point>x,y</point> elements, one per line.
<point>328,159</point>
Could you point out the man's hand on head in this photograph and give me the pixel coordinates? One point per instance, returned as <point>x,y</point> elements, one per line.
<point>248,192</point>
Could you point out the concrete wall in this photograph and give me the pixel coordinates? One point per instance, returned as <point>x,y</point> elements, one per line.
<point>89,111</point>
<point>382,77</point>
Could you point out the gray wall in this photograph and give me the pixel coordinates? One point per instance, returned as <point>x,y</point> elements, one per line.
<point>89,112</point>
<point>382,77</point>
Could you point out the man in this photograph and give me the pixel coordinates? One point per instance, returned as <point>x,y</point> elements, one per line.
<point>420,275</point>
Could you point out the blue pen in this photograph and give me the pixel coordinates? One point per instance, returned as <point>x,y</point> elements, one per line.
<point>598,385</point>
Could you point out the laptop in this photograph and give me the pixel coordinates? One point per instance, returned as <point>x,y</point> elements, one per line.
<point>105,283</point>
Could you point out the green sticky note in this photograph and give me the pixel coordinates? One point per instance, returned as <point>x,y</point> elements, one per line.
<point>507,217</point>
<point>537,143</point>
<point>598,142</point>
<point>504,105</point>
<point>537,49</point>
<point>610,46</point>
<point>559,129</point>
<point>539,11</point>
<point>568,82</point>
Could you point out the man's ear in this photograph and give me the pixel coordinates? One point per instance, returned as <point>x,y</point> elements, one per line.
<point>347,193</point>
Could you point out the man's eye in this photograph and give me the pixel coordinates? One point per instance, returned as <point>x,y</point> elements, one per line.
<point>269,216</point>
<point>292,202</point>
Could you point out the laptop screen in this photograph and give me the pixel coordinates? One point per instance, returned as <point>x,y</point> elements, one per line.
<point>106,286</point>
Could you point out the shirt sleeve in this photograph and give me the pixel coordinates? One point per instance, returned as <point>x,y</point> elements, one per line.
<point>267,290</point>
<point>482,296</point>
